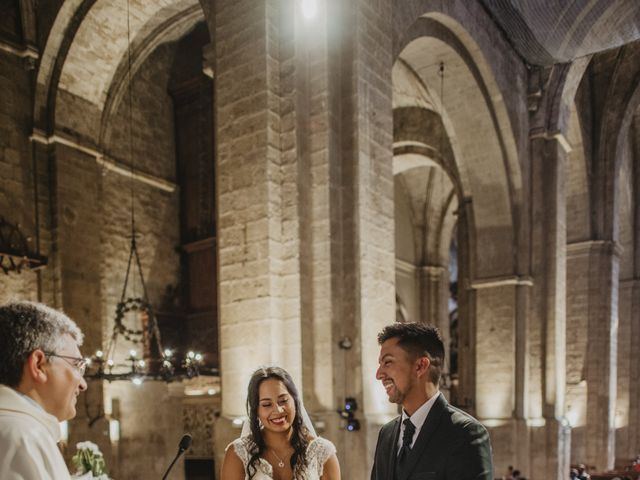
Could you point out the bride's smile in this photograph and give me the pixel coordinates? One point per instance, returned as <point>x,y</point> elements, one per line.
<point>277,408</point>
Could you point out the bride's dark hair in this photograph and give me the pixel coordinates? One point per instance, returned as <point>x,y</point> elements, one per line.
<point>299,435</point>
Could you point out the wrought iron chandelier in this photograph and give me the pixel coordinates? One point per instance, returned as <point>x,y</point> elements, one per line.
<point>154,362</point>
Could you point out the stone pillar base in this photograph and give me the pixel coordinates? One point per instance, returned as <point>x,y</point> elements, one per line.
<point>550,450</point>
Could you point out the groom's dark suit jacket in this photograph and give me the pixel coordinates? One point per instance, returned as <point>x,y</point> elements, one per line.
<point>451,445</point>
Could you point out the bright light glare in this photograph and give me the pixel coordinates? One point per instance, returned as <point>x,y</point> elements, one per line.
<point>137,380</point>
<point>114,430</point>
<point>309,8</point>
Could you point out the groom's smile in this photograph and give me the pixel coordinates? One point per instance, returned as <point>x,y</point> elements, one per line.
<point>394,370</point>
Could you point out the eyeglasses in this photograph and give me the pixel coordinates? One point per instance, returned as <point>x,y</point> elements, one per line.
<point>79,363</point>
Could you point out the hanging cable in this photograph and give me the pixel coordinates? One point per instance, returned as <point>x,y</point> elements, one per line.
<point>130,94</point>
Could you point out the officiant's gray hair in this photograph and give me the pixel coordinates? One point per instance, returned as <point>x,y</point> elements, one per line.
<point>25,327</point>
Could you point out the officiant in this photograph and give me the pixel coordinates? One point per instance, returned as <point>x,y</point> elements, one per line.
<point>41,375</point>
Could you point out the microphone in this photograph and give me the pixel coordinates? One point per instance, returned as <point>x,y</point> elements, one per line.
<point>185,443</point>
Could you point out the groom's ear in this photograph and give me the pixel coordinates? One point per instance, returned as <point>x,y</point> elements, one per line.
<point>422,366</point>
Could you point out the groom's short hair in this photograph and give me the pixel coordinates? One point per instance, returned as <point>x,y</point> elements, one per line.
<point>418,340</point>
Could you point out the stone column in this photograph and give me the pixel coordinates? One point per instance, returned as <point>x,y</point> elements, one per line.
<point>362,209</point>
<point>600,310</point>
<point>408,289</point>
<point>434,303</point>
<point>628,401</point>
<point>626,440</point>
<point>524,291</point>
<point>548,328</point>
<point>258,256</point>
<point>495,307</point>
<point>310,127</point>
<point>633,444</point>
<point>434,295</point>
<point>592,311</point>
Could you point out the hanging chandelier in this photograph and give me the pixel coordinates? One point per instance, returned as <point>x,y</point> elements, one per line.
<point>152,361</point>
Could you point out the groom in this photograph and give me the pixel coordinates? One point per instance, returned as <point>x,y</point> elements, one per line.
<point>431,439</point>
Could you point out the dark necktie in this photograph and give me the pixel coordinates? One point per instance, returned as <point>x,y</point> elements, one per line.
<point>409,430</point>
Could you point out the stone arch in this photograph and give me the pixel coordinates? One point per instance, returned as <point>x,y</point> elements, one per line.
<point>623,101</point>
<point>427,193</point>
<point>469,28</point>
<point>495,207</point>
<point>169,30</point>
<point>72,45</point>
<point>104,49</point>
<point>562,85</point>
<point>485,118</point>
<point>559,118</point>
<point>60,38</point>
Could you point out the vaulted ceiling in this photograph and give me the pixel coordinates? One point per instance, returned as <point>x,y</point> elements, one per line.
<point>545,32</point>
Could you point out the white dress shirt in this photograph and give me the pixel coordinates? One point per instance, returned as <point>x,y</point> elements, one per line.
<point>418,418</point>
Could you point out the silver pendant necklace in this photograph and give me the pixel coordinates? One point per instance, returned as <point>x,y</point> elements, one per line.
<point>280,461</point>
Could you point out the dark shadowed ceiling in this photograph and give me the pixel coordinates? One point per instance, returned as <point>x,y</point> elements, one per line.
<point>547,31</point>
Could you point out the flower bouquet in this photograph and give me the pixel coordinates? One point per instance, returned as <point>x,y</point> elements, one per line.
<point>89,462</point>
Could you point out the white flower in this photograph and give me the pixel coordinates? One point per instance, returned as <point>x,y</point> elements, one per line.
<point>89,446</point>
<point>89,460</point>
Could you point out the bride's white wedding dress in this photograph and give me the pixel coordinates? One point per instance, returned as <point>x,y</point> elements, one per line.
<point>318,452</point>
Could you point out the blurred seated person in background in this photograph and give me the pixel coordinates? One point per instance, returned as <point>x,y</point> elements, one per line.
<point>509,475</point>
<point>582,472</point>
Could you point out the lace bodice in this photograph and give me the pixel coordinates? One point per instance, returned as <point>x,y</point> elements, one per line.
<point>318,452</point>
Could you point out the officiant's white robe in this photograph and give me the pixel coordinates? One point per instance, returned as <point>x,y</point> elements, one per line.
<point>28,440</point>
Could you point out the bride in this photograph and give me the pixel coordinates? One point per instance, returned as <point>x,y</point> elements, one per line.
<point>278,441</point>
